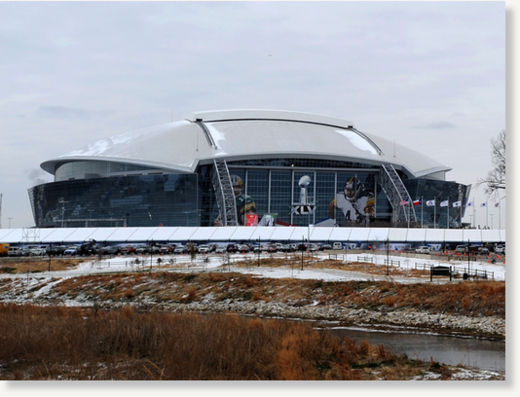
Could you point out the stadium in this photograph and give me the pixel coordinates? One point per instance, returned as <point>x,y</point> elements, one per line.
<point>248,168</point>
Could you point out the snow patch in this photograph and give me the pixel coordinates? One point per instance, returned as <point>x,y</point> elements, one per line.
<point>358,141</point>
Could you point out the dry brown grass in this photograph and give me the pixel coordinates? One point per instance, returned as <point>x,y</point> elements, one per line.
<point>73,343</point>
<point>482,298</point>
<point>37,265</point>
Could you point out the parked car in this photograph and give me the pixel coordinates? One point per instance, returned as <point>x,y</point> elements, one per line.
<point>71,251</point>
<point>37,251</point>
<point>108,250</point>
<point>500,249</point>
<point>474,249</point>
<point>271,248</point>
<point>56,249</point>
<point>313,247</point>
<point>165,249</point>
<point>127,249</point>
<point>88,248</point>
<point>286,248</point>
<point>325,246</point>
<point>220,250</point>
<point>483,251</point>
<point>203,249</point>
<point>14,251</point>
<point>243,248</point>
<point>337,245</point>
<point>180,249</point>
<point>423,249</point>
<point>232,248</point>
<point>302,247</point>
<point>461,249</point>
<point>24,251</point>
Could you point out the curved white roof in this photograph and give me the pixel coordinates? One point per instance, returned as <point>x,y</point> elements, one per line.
<point>243,134</point>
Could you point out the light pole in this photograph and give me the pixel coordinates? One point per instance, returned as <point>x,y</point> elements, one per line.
<point>387,257</point>
<point>151,255</point>
<point>469,264</point>
<point>258,251</point>
<point>303,250</point>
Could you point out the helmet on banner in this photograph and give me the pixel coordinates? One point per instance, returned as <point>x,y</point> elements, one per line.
<point>350,188</point>
<point>237,184</point>
<point>371,205</point>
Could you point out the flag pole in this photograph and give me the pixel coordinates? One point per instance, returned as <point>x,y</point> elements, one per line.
<point>460,213</point>
<point>434,212</point>
<point>487,215</point>
<point>422,210</point>
<point>499,216</point>
<point>448,215</point>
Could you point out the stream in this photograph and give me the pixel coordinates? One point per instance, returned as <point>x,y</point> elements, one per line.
<point>471,352</point>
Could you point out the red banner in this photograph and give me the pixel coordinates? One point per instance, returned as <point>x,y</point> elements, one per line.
<point>252,220</point>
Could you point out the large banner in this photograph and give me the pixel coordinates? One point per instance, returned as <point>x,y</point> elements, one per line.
<point>244,203</point>
<point>306,200</point>
<point>355,205</point>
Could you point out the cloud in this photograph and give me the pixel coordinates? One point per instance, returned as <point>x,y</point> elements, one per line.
<point>63,112</point>
<point>69,113</point>
<point>436,125</point>
<point>38,177</point>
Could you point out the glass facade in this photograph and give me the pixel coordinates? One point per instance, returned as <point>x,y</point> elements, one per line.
<point>283,193</point>
<point>438,191</point>
<point>291,191</point>
<point>141,200</point>
<point>94,169</point>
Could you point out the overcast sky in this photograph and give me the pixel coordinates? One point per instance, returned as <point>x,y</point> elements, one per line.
<point>429,75</point>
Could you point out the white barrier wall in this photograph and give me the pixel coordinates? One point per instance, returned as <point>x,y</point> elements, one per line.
<point>244,233</point>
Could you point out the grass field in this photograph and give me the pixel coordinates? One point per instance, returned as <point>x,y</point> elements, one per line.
<point>73,343</point>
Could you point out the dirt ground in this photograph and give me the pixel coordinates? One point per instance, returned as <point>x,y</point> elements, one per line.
<point>37,265</point>
<point>312,263</point>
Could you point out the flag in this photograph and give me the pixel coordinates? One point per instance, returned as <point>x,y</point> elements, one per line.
<point>416,202</point>
<point>496,204</point>
<point>483,205</point>
<point>444,203</point>
<point>457,203</point>
<point>403,202</point>
<point>430,203</point>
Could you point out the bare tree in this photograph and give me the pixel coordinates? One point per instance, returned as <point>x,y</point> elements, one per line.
<point>496,178</point>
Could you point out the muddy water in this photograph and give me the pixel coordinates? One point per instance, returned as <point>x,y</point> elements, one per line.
<point>482,354</point>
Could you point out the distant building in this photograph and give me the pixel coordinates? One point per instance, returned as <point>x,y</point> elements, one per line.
<point>246,167</point>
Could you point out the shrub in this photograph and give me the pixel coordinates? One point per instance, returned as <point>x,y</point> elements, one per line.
<point>79,343</point>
